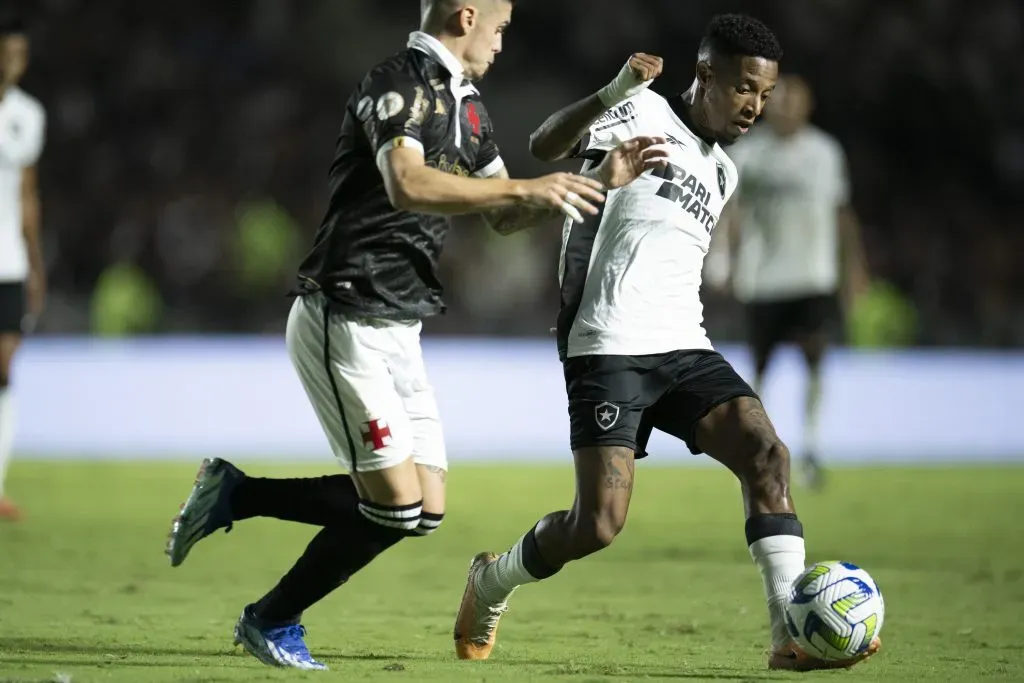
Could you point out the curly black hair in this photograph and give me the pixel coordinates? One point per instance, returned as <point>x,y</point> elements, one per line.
<point>739,35</point>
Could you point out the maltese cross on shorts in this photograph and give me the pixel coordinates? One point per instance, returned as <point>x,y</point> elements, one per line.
<point>376,434</point>
<point>606,414</point>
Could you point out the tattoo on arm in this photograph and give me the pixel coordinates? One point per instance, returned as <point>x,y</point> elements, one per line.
<point>516,218</point>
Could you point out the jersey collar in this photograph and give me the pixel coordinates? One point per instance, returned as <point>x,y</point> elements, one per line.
<point>424,42</point>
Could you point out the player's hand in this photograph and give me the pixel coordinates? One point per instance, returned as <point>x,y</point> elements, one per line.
<point>572,194</point>
<point>635,76</point>
<point>631,159</point>
<point>35,292</point>
<point>646,67</point>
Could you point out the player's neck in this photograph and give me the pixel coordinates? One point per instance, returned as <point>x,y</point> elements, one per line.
<point>451,43</point>
<point>687,107</point>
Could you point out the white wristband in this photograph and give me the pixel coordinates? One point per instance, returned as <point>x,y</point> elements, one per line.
<point>622,87</point>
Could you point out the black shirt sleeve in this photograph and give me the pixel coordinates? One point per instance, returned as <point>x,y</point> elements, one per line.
<point>392,108</point>
<point>488,158</point>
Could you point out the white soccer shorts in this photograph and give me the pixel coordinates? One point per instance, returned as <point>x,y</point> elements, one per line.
<point>368,385</point>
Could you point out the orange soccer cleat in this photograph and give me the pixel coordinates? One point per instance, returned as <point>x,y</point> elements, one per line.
<point>476,624</point>
<point>9,510</point>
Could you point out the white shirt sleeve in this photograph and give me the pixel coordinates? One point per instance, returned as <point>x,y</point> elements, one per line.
<point>22,134</point>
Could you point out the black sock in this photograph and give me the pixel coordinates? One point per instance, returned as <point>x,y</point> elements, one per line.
<point>321,501</point>
<point>533,562</point>
<point>332,558</point>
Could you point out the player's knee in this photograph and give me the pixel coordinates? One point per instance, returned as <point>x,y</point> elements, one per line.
<point>429,523</point>
<point>594,532</point>
<point>5,379</point>
<point>401,519</point>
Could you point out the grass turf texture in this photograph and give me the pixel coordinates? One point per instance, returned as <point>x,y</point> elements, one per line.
<point>86,591</point>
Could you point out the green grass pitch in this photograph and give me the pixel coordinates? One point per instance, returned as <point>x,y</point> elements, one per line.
<point>86,592</point>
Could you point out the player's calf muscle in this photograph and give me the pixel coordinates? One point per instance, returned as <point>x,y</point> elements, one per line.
<point>740,435</point>
<point>767,471</point>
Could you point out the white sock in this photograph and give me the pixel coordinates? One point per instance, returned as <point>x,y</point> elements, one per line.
<point>781,560</point>
<point>6,432</point>
<point>500,578</point>
<point>811,410</point>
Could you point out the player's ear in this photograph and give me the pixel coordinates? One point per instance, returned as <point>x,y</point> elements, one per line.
<point>705,75</point>
<point>467,18</point>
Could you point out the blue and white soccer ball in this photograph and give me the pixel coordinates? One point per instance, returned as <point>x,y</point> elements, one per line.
<point>835,610</point>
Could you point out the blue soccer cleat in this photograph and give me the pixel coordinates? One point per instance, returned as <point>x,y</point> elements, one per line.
<point>207,509</point>
<point>275,645</point>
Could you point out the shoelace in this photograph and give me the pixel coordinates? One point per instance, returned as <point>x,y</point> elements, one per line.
<point>490,622</point>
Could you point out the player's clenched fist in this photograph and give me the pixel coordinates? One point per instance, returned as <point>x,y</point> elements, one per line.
<point>646,67</point>
<point>571,194</point>
<point>635,75</point>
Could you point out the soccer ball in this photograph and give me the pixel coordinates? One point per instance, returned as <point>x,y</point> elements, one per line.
<point>834,611</point>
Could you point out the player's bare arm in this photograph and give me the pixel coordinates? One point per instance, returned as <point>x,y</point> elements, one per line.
<point>621,166</point>
<point>731,222</point>
<point>557,136</point>
<point>413,186</point>
<point>856,277</point>
<point>32,228</point>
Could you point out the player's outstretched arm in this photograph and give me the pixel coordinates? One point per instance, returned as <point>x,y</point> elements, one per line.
<point>411,185</point>
<point>621,166</point>
<point>557,136</point>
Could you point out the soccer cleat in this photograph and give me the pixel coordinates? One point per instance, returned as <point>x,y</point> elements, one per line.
<point>476,624</point>
<point>275,645</point>
<point>9,511</point>
<point>207,509</point>
<point>792,658</point>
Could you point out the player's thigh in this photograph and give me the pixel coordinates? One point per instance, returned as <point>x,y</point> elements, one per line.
<point>9,343</point>
<point>428,445</point>
<point>705,381</point>
<point>342,366</point>
<point>604,488</point>
<point>607,398</point>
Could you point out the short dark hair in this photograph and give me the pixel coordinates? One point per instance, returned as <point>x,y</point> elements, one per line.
<point>739,35</point>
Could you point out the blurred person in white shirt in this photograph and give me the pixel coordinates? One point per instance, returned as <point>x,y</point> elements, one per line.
<point>22,271</point>
<point>796,258</point>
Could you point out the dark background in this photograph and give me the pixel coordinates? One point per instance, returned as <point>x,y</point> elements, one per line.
<point>188,144</point>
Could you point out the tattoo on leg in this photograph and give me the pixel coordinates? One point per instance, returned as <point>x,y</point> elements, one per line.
<point>618,470</point>
<point>760,425</point>
<point>439,471</point>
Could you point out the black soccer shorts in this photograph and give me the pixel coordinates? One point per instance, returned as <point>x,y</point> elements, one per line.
<point>771,323</point>
<point>620,400</point>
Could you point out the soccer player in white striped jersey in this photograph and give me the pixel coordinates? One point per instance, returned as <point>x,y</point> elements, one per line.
<point>796,251</point>
<point>22,273</point>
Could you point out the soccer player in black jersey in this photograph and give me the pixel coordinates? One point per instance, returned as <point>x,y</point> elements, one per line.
<point>416,146</point>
